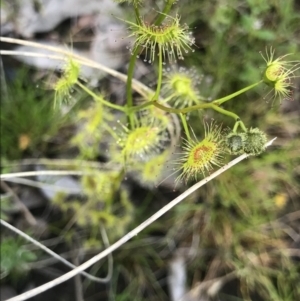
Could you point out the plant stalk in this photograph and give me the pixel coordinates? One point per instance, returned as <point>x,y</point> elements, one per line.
<point>160,18</point>
<point>185,126</point>
<point>105,102</point>
<point>159,81</point>
<point>228,97</point>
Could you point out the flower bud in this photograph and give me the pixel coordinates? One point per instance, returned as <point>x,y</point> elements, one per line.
<point>255,142</point>
<point>234,143</point>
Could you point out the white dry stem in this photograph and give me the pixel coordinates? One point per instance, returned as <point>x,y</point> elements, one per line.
<point>131,234</point>
<point>45,173</point>
<point>138,86</point>
<point>64,261</point>
<point>60,162</point>
<point>42,185</point>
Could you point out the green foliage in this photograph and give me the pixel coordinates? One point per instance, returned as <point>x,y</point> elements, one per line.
<point>107,203</point>
<point>6,204</point>
<point>94,125</point>
<point>28,119</point>
<point>14,258</point>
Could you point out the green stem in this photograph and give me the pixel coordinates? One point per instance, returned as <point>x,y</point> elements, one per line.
<point>236,125</point>
<point>228,97</point>
<point>242,126</point>
<point>230,114</point>
<point>238,121</point>
<point>129,85</point>
<point>185,110</point>
<point>225,112</point>
<point>142,106</point>
<point>216,103</point>
<point>185,126</point>
<point>112,132</point>
<point>239,124</point>
<point>159,81</point>
<point>166,109</point>
<point>160,18</point>
<point>105,102</point>
<point>149,103</point>
<point>197,107</point>
<point>137,15</point>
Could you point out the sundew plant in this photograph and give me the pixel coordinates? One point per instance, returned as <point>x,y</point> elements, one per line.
<point>149,129</point>
<point>174,130</point>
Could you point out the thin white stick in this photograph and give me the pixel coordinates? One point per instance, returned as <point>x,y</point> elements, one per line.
<point>45,172</point>
<point>64,52</point>
<point>42,185</point>
<point>128,236</point>
<point>60,162</point>
<point>33,54</point>
<point>66,262</point>
<point>138,86</point>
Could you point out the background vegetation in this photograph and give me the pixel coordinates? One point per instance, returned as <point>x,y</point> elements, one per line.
<point>238,237</point>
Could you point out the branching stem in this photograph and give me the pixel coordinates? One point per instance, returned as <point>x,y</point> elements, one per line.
<point>239,124</point>
<point>197,107</point>
<point>105,102</point>
<point>185,126</point>
<point>219,101</point>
